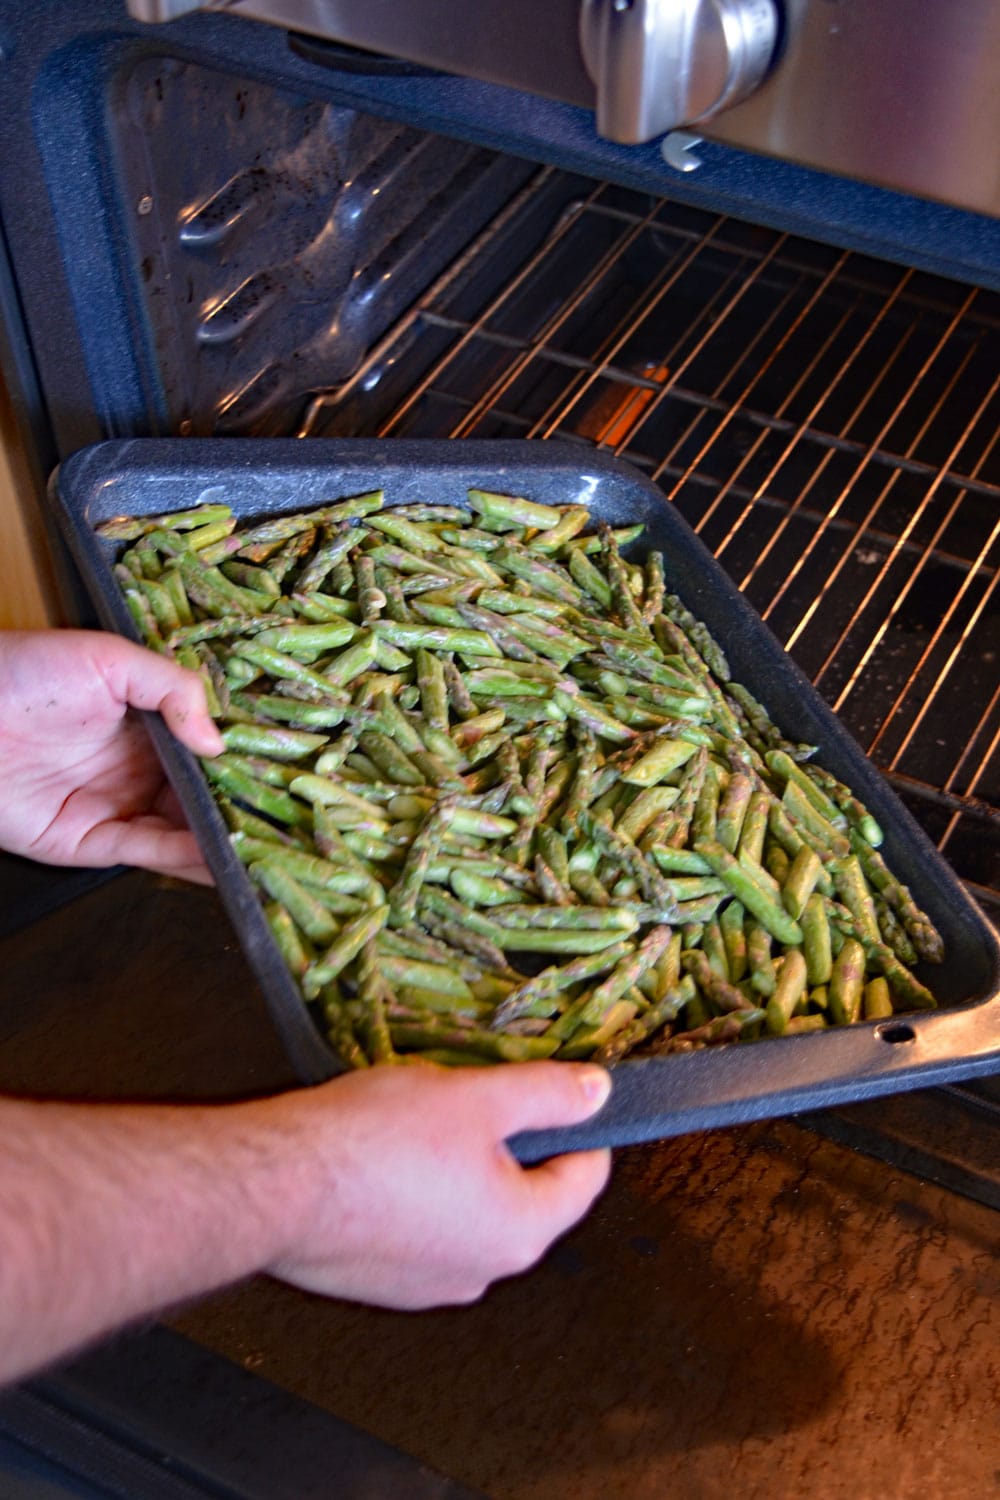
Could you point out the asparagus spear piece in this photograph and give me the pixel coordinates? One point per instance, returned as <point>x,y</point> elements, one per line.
<point>757,900</point>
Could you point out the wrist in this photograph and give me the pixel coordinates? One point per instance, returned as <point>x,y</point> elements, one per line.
<point>273,1148</point>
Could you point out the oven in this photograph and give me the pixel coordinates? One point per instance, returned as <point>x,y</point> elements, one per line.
<point>764,270</point>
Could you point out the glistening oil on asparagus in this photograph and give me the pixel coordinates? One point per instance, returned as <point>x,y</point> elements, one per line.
<point>499,795</point>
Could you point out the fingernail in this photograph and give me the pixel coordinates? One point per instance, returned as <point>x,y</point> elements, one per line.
<point>596,1085</point>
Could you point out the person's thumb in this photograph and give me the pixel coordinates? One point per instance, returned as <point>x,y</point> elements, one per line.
<point>147,679</point>
<point>540,1095</point>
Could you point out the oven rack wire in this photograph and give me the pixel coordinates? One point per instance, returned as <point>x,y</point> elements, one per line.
<point>828,423</point>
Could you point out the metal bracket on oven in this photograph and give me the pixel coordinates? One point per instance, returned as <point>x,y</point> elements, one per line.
<point>678,150</point>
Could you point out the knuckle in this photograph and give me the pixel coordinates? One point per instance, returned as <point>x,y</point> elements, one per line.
<point>595,1172</point>
<point>523,1252</point>
<point>469,1291</point>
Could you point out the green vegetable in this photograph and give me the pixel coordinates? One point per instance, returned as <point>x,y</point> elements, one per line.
<point>499,794</point>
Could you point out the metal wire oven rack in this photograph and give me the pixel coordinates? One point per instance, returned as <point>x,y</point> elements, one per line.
<point>828,423</point>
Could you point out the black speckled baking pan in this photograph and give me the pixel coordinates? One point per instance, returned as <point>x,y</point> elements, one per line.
<point>652,1098</point>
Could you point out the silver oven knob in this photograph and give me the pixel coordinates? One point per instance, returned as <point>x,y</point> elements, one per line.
<point>657,64</point>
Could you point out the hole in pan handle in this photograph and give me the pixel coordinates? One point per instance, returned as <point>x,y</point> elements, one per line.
<point>896,1031</point>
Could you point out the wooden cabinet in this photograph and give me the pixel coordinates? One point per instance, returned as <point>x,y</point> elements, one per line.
<point>29,597</point>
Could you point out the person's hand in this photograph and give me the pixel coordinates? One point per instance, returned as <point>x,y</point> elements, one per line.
<point>82,783</point>
<point>399,1190</point>
<point>392,1187</point>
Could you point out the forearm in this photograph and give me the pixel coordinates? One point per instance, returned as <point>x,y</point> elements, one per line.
<point>109,1213</point>
<point>390,1186</point>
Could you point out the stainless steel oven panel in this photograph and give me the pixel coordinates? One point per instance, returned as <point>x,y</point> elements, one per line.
<point>887,91</point>
<point>645,66</point>
<point>896,92</point>
<point>501,41</point>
